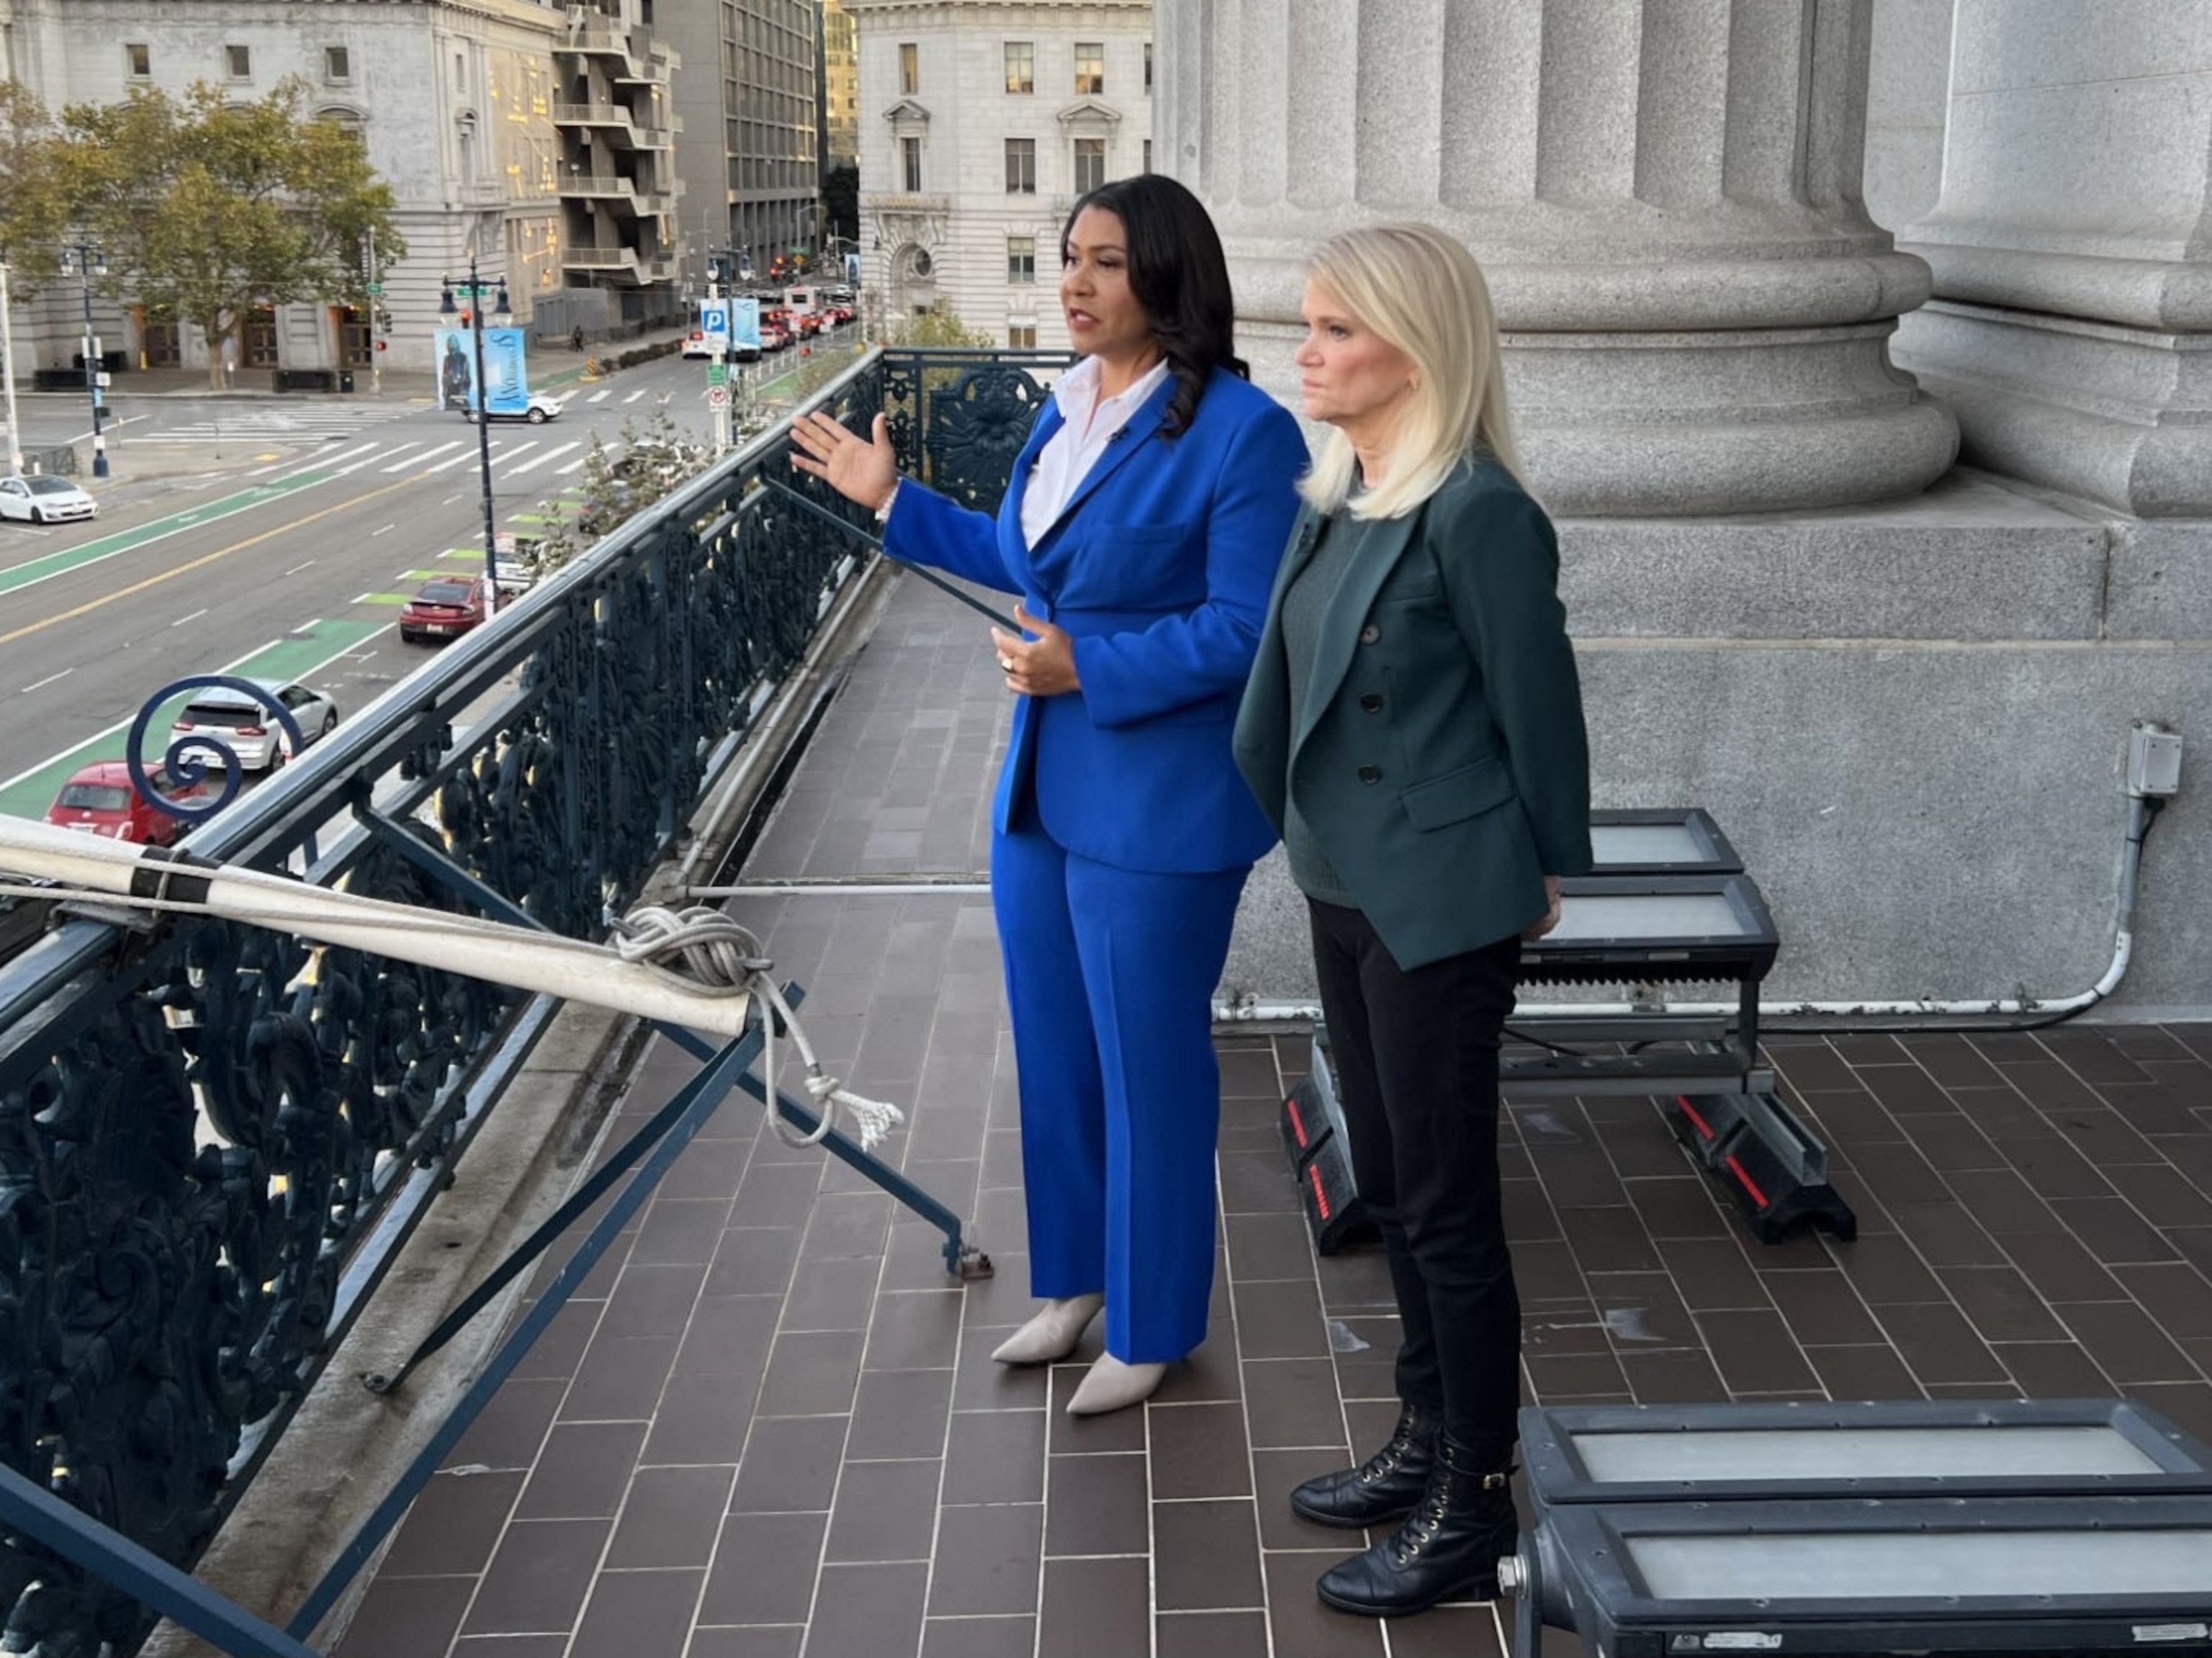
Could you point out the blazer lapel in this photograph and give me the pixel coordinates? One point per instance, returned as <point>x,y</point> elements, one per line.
<point>1385,545</point>
<point>1130,437</point>
<point>1013,546</point>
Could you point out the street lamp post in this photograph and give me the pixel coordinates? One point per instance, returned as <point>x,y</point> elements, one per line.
<point>86,260</point>
<point>447,307</point>
<point>7,374</point>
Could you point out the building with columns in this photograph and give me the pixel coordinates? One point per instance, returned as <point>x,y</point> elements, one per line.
<point>981,122</point>
<point>1884,517</point>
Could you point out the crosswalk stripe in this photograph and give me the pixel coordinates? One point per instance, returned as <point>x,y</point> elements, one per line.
<point>550,454</point>
<point>466,455</point>
<point>372,459</point>
<point>598,396</point>
<point>413,461</point>
<point>635,396</point>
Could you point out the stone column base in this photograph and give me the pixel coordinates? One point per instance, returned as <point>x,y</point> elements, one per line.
<point>2116,415</point>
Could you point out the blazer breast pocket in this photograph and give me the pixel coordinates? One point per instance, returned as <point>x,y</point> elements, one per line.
<point>1419,587</point>
<point>1125,566</point>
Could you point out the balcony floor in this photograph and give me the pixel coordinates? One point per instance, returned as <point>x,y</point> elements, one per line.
<point>770,1425</point>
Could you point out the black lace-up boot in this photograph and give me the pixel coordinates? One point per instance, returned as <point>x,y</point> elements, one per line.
<point>1383,1488</point>
<point>1447,1549</point>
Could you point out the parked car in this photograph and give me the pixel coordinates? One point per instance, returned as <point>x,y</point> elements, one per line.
<point>447,606</point>
<point>45,500</point>
<point>254,734</point>
<point>101,800</point>
<point>540,408</point>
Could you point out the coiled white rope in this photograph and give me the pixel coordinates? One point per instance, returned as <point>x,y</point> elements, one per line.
<point>721,955</point>
<point>697,967</point>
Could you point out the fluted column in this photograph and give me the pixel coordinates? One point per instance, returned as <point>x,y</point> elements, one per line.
<point>2072,324</point>
<point>1664,193</point>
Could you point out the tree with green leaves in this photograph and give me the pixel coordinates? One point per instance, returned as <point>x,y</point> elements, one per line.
<point>939,325</point>
<point>209,210</point>
<point>33,206</point>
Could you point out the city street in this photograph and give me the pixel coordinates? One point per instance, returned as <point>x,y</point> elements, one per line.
<point>264,536</point>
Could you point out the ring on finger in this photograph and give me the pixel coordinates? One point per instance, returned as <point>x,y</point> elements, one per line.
<point>1007,665</point>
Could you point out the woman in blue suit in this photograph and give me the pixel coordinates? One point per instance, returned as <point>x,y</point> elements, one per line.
<point>1142,530</point>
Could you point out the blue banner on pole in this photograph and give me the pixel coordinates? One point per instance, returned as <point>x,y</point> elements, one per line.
<point>744,323</point>
<point>505,369</point>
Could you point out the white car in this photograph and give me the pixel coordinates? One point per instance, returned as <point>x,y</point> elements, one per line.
<point>45,500</point>
<point>246,726</point>
<point>540,408</point>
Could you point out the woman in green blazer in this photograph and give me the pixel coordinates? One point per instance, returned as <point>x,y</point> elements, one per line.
<point>1413,726</point>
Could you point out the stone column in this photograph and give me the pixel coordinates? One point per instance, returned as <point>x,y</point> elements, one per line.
<point>2072,249</point>
<point>1665,196</point>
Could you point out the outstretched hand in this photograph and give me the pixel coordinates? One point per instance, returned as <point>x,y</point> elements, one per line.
<point>860,469</point>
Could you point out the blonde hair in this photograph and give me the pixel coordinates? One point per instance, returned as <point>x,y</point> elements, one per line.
<point>1422,293</point>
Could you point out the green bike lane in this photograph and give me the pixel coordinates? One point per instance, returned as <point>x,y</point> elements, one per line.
<point>301,654</point>
<point>16,577</point>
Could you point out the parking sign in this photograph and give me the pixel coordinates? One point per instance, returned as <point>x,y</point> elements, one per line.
<point>714,321</point>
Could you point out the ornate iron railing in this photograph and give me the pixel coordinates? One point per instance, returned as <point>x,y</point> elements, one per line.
<point>212,1141</point>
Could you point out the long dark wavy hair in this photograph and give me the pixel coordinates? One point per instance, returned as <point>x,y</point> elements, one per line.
<point>1179,275</point>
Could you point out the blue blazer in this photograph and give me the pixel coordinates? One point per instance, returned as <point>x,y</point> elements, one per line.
<point>1159,568</point>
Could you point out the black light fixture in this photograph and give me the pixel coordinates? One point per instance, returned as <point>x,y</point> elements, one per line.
<point>1961,1526</point>
<point>85,259</point>
<point>447,306</point>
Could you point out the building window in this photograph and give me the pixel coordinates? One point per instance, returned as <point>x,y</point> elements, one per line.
<point>1090,67</point>
<point>240,60</point>
<point>1148,71</point>
<point>138,60</point>
<point>1021,66</point>
<point>1021,336</point>
<point>910,69</point>
<point>1148,155</point>
<point>910,158</point>
<point>1021,167</point>
<point>337,63</point>
<point>1021,258</point>
<point>461,75</point>
<point>1089,165</point>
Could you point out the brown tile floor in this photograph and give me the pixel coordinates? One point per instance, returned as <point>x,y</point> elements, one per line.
<point>770,1425</point>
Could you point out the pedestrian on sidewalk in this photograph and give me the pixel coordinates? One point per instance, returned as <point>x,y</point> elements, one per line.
<point>1414,728</point>
<point>1142,528</point>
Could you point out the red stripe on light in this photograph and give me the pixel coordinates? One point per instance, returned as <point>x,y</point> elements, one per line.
<point>1691,1111</point>
<point>1297,1122</point>
<point>1321,1197</point>
<point>1750,1185</point>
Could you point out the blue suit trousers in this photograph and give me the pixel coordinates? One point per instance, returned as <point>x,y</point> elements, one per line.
<point>1110,974</point>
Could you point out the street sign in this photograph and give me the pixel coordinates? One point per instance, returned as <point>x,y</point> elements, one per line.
<point>374,288</point>
<point>716,373</point>
<point>717,396</point>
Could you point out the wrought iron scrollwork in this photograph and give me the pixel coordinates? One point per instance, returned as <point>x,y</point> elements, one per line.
<point>196,1137</point>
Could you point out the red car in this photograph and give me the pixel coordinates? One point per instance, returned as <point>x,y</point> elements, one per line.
<point>100,800</point>
<point>446,606</point>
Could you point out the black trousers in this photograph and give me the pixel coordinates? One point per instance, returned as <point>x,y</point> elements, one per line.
<point>1417,1070</point>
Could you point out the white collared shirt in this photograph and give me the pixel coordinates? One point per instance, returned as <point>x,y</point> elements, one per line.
<point>1089,423</point>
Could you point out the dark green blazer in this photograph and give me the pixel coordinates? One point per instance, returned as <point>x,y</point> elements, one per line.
<point>1441,760</point>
